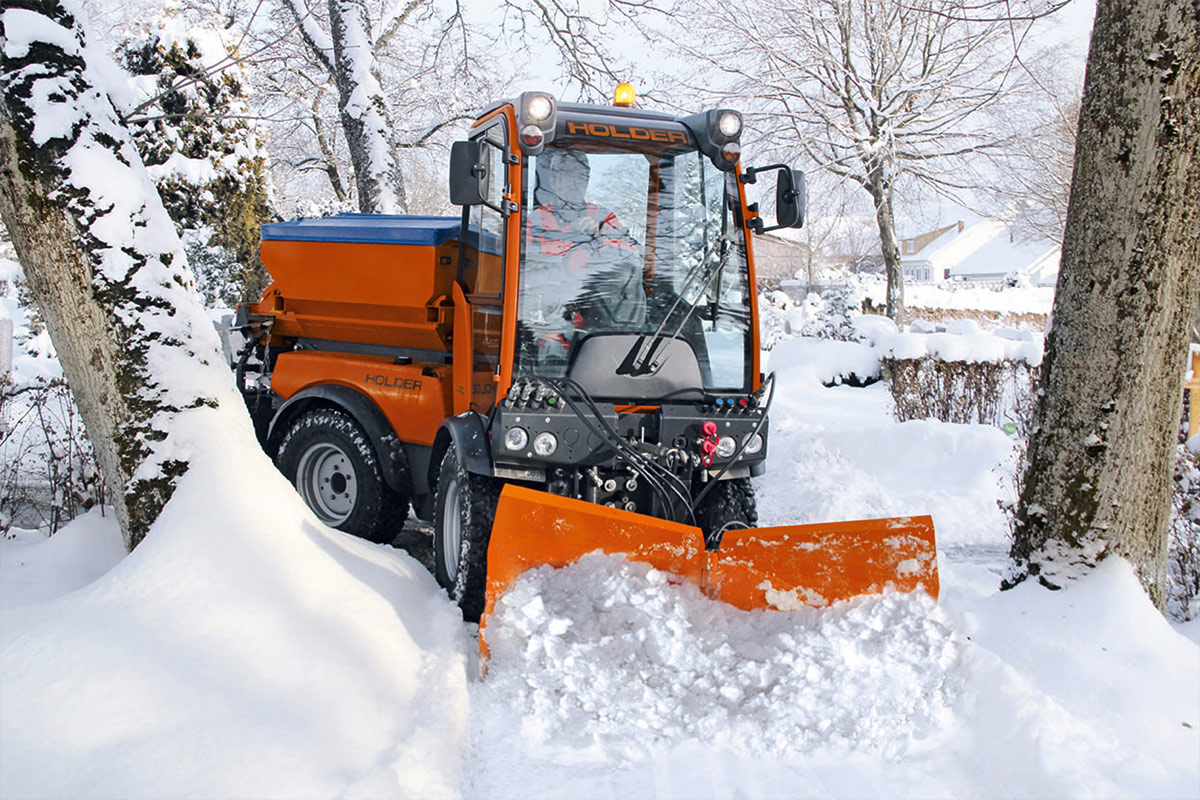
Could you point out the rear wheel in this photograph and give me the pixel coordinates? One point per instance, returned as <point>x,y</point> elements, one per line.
<point>331,462</point>
<point>462,525</point>
<point>727,506</point>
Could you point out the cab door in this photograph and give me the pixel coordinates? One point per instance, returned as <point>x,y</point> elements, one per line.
<point>481,269</point>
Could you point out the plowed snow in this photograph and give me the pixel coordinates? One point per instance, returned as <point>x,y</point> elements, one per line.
<point>614,653</point>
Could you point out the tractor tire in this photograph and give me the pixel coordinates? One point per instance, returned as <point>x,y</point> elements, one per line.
<point>728,505</point>
<point>330,461</point>
<point>464,508</point>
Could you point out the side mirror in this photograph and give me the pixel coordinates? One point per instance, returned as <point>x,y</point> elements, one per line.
<point>468,173</point>
<point>791,197</point>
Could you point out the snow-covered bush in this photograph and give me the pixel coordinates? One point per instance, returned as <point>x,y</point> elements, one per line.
<point>962,374</point>
<point>829,315</point>
<point>191,126</point>
<point>48,473</point>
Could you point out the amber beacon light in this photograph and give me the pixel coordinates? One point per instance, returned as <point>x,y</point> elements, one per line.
<point>624,95</point>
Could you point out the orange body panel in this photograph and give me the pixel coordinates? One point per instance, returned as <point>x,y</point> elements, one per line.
<point>783,567</point>
<point>414,401</point>
<point>384,294</point>
<point>752,281</point>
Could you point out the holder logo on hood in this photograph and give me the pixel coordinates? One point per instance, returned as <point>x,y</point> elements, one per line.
<point>626,132</point>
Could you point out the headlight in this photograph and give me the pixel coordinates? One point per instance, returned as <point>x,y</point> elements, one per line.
<point>539,107</point>
<point>755,445</point>
<point>516,438</point>
<point>725,446</point>
<point>545,443</point>
<point>729,124</point>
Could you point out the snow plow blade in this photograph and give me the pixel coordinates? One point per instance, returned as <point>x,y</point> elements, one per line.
<point>816,565</point>
<point>781,567</point>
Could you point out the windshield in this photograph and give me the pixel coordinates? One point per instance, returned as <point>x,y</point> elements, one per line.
<point>632,242</point>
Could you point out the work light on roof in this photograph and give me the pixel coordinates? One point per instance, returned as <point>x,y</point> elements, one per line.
<point>539,107</point>
<point>730,124</point>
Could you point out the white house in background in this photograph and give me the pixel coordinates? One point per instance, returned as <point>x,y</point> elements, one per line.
<point>987,250</point>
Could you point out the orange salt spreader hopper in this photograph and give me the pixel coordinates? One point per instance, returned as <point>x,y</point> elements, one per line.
<point>784,567</point>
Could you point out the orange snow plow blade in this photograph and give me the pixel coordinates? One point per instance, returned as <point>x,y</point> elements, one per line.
<point>782,567</point>
<point>533,528</point>
<point>815,565</point>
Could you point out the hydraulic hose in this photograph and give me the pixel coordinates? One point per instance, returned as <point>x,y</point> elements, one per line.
<point>661,480</point>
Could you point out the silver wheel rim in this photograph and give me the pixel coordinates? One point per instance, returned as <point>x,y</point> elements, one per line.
<point>451,529</point>
<point>326,481</point>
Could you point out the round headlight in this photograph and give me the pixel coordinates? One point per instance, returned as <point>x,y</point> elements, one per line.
<point>545,443</point>
<point>730,124</point>
<point>755,445</point>
<point>516,438</point>
<point>725,446</point>
<point>539,108</point>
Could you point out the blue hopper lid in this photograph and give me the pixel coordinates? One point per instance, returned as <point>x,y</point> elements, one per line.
<point>366,229</point>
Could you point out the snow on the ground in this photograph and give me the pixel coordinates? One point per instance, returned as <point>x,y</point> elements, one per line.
<point>243,650</point>
<point>246,650</point>
<point>836,454</point>
<point>34,568</point>
<point>609,681</point>
<point>977,297</point>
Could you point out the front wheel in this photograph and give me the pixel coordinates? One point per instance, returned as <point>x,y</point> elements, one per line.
<point>728,505</point>
<point>331,462</point>
<point>462,526</point>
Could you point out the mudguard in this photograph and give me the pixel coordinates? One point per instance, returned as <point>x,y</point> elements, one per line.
<point>363,411</point>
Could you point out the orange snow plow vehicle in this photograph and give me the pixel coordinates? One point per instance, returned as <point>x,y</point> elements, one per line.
<point>572,365</point>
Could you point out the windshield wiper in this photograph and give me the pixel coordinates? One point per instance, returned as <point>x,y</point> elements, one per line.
<point>640,358</point>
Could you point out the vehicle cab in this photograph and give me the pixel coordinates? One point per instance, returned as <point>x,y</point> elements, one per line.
<point>608,267</point>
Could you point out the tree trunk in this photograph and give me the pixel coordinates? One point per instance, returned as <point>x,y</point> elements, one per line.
<point>1101,454</point>
<point>893,269</point>
<point>366,118</point>
<point>102,259</point>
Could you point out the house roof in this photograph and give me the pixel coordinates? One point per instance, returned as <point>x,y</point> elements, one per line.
<point>988,248</point>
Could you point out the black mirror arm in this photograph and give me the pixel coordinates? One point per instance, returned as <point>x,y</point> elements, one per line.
<point>751,173</point>
<point>757,226</point>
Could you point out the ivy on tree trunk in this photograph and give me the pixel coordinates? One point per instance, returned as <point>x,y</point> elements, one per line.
<point>102,260</point>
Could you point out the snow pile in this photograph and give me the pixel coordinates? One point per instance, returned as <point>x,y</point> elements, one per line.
<point>608,680</point>
<point>36,568</point>
<point>960,340</point>
<point>618,654</point>
<point>243,649</point>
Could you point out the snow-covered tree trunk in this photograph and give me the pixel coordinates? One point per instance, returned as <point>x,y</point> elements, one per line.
<point>102,259</point>
<point>1102,451</point>
<point>366,118</point>
<point>347,53</point>
<point>889,244</point>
